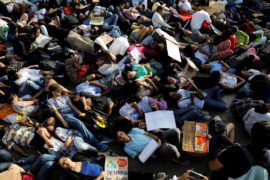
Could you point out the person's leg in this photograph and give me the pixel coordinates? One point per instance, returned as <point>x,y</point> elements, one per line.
<point>4,166</point>
<point>42,165</point>
<point>172,136</point>
<point>215,104</point>
<point>187,114</point>
<point>168,151</point>
<point>230,131</point>
<point>5,159</point>
<point>79,126</point>
<point>224,54</point>
<point>141,33</point>
<point>81,145</point>
<point>44,31</point>
<point>262,42</point>
<point>110,23</point>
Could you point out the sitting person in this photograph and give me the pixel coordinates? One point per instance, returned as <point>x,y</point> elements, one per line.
<point>136,140</point>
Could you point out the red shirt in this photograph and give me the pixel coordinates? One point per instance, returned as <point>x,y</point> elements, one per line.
<point>232,39</point>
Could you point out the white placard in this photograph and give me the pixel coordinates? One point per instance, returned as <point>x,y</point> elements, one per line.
<point>160,120</point>
<point>148,151</point>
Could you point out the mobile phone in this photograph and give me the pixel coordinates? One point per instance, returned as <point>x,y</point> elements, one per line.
<point>196,175</point>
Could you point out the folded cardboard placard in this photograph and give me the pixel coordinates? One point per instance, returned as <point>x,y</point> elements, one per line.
<point>148,151</point>
<point>116,167</point>
<point>11,174</point>
<point>97,21</point>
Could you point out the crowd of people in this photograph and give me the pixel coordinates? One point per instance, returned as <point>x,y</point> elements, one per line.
<point>70,87</point>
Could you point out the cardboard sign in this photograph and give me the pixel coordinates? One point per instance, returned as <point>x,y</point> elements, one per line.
<point>173,50</point>
<point>159,120</point>
<point>6,1</point>
<point>195,139</point>
<point>116,168</point>
<point>11,174</point>
<point>97,21</point>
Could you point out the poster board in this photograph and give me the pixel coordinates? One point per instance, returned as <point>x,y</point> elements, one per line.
<point>97,21</point>
<point>106,38</point>
<point>11,174</point>
<point>116,167</point>
<point>213,7</point>
<point>192,139</point>
<point>159,120</point>
<point>173,50</point>
<point>148,151</point>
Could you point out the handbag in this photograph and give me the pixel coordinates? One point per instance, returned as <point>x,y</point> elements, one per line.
<point>96,119</point>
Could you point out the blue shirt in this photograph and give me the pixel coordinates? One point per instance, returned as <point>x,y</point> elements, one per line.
<point>216,66</point>
<point>91,169</point>
<point>138,142</point>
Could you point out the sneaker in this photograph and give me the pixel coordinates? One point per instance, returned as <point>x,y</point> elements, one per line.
<point>182,161</point>
<point>160,176</point>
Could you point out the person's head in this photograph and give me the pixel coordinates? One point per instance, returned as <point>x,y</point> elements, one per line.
<point>55,89</point>
<point>122,136</point>
<point>160,10</point>
<point>192,47</point>
<point>139,19</point>
<point>234,29</point>
<point>13,75</point>
<point>127,5</point>
<point>65,163</point>
<point>171,80</point>
<point>227,33</point>
<point>216,76</point>
<point>9,97</point>
<point>261,108</point>
<point>206,67</point>
<point>213,17</point>
<point>129,75</point>
<point>122,5</point>
<point>260,135</point>
<point>175,96</point>
<point>36,31</point>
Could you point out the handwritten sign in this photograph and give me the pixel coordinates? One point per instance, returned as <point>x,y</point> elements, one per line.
<point>116,168</point>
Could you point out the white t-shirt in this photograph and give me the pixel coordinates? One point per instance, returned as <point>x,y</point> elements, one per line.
<point>85,33</point>
<point>228,80</point>
<point>32,74</point>
<point>186,5</point>
<point>251,117</point>
<point>91,89</point>
<point>198,18</point>
<point>185,100</point>
<point>254,73</point>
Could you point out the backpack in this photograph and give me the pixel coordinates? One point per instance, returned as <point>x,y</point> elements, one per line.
<point>256,172</point>
<point>53,65</point>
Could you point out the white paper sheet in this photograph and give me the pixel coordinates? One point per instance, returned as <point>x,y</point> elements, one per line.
<point>173,50</point>
<point>136,54</point>
<point>148,151</point>
<point>160,119</point>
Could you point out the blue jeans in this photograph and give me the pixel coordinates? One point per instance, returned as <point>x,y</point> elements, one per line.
<point>43,165</point>
<point>214,100</point>
<point>187,114</point>
<point>5,160</point>
<point>30,85</point>
<point>110,23</point>
<point>75,123</point>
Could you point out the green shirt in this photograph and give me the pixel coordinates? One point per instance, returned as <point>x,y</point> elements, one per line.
<point>142,71</point>
<point>240,37</point>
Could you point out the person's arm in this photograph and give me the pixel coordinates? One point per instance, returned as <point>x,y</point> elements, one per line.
<point>86,107</point>
<point>148,67</point>
<point>101,175</point>
<point>138,109</point>
<point>114,84</point>
<point>152,84</point>
<point>82,7</point>
<point>146,85</point>
<point>60,117</point>
<point>225,66</point>
<point>43,134</point>
<point>242,81</point>
<point>153,137</point>
<point>29,103</point>
<point>74,108</point>
<point>19,150</point>
<point>68,142</point>
<point>98,84</point>
<point>215,165</point>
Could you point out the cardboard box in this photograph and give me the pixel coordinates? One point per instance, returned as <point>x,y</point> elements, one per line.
<point>11,174</point>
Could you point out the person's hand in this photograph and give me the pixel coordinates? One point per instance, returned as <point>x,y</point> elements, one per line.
<point>65,147</point>
<point>65,124</point>
<point>241,44</point>
<point>173,28</point>
<point>154,106</point>
<point>87,108</point>
<point>41,131</point>
<point>35,47</point>
<point>114,84</point>
<point>246,46</point>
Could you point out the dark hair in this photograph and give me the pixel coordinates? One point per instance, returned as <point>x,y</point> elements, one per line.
<point>215,76</point>
<point>189,51</point>
<point>54,87</point>
<point>121,124</point>
<point>234,29</point>
<point>35,29</point>
<point>260,134</point>
<point>226,34</point>
<point>261,108</point>
<point>138,17</point>
<point>252,37</point>
<point>9,97</point>
<point>12,75</point>
<point>159,8</point>
<point>43,113</point>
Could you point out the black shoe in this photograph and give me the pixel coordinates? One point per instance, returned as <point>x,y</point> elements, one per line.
<point>182,161</point>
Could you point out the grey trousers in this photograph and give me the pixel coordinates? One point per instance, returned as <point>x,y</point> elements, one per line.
<point>170,143</point>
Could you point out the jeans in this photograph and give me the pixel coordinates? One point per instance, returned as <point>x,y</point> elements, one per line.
<point>214,100</point>
<point>187,114</point>
<point>110,23</point>
<point>79,126</point>
<point>5,160</point>
<point>42,166</point>
<point>30,85</point>
<point>81,145</point>
<point>3,78</point>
